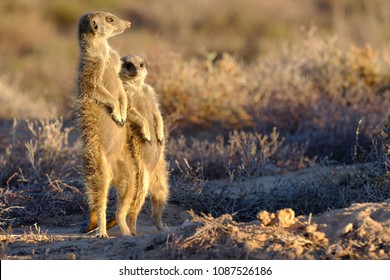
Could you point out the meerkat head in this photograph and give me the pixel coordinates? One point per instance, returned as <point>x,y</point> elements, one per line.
<point>133,70</point>
<point>101,24</point>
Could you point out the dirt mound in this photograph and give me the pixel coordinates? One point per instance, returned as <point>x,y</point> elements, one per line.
<point>361,231</point>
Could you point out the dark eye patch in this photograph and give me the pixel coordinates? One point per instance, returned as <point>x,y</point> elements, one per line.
<point>141,65</point>
<point>109,19</point>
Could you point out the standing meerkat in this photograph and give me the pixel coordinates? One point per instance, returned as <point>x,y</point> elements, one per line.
<point>149,158</point>
<point>102,111</point>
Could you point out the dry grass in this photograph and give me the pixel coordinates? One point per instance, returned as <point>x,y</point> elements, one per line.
<point>34,235</point>
<point>241,155</point>
<point>39,173</point>
<point>21,105</point>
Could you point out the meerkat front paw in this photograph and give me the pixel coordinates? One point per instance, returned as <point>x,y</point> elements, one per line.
<point>146,133</point>
<point>116,116</point>
<point>160,137</point>
<point>124,115</point>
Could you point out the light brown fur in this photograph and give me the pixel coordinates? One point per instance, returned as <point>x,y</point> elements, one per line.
<point>149,158</point>
<point>102,110</point>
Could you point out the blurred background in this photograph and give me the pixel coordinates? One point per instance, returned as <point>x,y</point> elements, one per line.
<point>39,52</point>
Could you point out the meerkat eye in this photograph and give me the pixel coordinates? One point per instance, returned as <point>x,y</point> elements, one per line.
<point>141,65</point>
<point>109,19</point>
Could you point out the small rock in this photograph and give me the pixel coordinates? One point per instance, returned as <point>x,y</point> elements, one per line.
<point>285,217</point>
<point>344,230</point>
<point>264,217</point>
<point>316,236</point>
<point>70,256</point>
<point>311,228</point>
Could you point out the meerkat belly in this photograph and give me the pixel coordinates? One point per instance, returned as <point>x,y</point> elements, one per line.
<point>145,110</point>
<point>113,137</point>
<point>152,150</point>
<point>111,83</point>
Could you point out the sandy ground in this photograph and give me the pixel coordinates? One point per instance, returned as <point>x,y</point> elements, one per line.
<point>361,231</point>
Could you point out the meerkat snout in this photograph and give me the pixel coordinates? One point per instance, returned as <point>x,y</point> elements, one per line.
<point>130,68</point>
<point>134,69</point>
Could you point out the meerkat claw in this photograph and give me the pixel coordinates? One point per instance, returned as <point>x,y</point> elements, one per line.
<point>118,122</point>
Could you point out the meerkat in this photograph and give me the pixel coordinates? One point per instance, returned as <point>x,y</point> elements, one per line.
<point>102,111</point>
<point>152,174</point>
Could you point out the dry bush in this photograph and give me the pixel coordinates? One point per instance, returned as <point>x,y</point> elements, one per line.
<point>320,95</point>
<point>202,93</point>
<point>240,155</point>
<point>18,104</point>
<point>377,173</point>
<point>39,171</point>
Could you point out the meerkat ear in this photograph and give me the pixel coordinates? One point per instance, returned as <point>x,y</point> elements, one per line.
<point>94,26</point>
